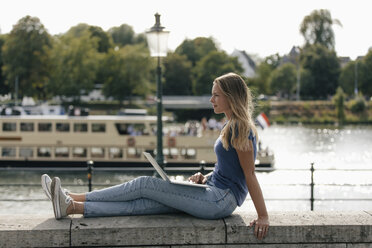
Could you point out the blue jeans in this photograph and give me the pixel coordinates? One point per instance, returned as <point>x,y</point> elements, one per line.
<point>150,195</point>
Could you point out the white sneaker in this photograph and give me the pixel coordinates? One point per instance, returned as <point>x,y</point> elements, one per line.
<point>60,200</point>
<point>45,183</point>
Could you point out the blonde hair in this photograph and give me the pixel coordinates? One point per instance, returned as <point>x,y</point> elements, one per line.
<point>239,98</point>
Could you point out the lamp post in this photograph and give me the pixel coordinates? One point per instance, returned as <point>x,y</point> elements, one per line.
<point>157,39</point>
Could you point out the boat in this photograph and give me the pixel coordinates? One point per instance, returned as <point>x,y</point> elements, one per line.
<point>107,141</point>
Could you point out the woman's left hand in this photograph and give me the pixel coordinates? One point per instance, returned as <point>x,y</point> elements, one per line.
<point>261,226</point>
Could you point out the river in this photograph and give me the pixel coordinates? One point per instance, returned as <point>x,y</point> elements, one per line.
<point>342,159</point>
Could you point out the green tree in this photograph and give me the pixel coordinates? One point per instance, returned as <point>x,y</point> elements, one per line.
<point>196,49</point>
<point>75,63</point>
<point>339,101</point>
<point>365,75</point>
<point>122,35</point>
<point>4,88</point>
<point>263,72</point>
<point>283,79</point>
<point>317,28</point>
<point>127,72</point>
<point>213,65</point>
<point>103,38</point>
<point>104,42</point>
<point>26,57</point>
<point>347,78</point>
<point>177,75</point>
<point>323,69</point>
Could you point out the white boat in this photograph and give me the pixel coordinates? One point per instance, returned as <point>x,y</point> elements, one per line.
<point>30,140</point>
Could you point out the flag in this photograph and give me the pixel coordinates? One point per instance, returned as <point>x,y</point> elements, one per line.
<point>262,121</point>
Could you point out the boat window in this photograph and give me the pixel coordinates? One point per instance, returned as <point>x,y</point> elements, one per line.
<point>61,152</point>
<point>115,152</point>
<point>188,153</point>
<point>130,128</point>
<point>8,152</point>
<point>44,152</point>
<point>97,152</point>
<point>9,126</point>
<point>63,127</point>
<point>79,152</point>
<point>80,127</point>
<point>26,152</point>
<point>98,127</point>
<point>45,127</point>
<point>133,152</point>
<point>27,126</point>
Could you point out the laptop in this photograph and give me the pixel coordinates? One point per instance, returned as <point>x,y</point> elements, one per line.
<point>164,175</point>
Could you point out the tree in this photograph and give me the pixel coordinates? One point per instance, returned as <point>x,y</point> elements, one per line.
<point>196,49</point>
<point>26,57</point>
<point>4,88</point>
<point>339,101</point>
<point>75,62</point>
<point>127,72</point>
<point>177,75</point>
<point>365,74</point>
<point>213,65</point>
<point>283,79</point>
<point>347,78</point>
<point>103,38</point>
<point>317,28</point>
<point>122,35</point>
<point>104,42</point>
<point>262,80</point>
<point>323,70</point>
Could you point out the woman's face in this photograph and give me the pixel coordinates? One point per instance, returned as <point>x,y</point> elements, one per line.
<point>219,101</point>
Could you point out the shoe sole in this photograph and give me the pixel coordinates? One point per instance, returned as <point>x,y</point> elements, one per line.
<point>45,187</point>
<point>55,196</point>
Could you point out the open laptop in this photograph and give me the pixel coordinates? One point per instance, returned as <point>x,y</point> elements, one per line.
<point>164,175</point>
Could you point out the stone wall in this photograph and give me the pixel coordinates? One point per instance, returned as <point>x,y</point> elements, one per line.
<point>288,229</point>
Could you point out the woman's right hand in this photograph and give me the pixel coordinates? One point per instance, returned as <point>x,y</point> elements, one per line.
<point>198,178</point>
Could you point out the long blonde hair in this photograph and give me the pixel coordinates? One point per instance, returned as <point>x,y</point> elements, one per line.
<point>239,98</point>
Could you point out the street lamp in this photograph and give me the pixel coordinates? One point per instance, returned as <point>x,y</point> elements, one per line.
<point>157,39</point>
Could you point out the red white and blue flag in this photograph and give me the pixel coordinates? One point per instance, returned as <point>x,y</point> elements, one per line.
<point>263,121</point>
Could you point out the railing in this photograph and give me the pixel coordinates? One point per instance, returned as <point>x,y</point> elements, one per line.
<point>90,174</point>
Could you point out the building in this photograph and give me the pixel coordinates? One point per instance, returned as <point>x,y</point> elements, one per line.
<point>249,66</point>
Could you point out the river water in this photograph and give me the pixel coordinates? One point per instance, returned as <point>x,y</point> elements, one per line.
<point>342,158</point>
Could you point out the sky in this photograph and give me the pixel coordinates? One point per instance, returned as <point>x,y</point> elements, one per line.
<point>259,27</point>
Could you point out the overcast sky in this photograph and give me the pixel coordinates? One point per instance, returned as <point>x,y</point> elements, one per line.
<point>261,27</point>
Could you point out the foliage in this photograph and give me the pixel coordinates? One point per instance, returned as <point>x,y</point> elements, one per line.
<point>365,74</point>
<point>177,75</point>
<point>127,72</point>
<point>358,105</point>
<point>122,35</point>
<point>283,79</point>
<point>339,101</point>
<point>347,78</point>
<point>75,61</point>
<point>196,49</point>
<point>317,28</point>
<point>210,67</point>
<point>104,42</point>
<point>4,88</point>
<point>25,55</point>
<point>322,70</point>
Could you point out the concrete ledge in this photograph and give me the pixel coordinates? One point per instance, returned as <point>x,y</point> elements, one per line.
<point>288,229</point>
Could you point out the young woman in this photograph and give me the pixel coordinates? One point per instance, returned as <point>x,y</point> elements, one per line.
<point>228,185</point>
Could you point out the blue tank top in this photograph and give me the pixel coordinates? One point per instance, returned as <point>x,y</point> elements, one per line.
<point>227,171</point>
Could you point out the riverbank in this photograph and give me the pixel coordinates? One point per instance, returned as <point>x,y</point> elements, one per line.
<point>313,112</point>
<point>287,229</point>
